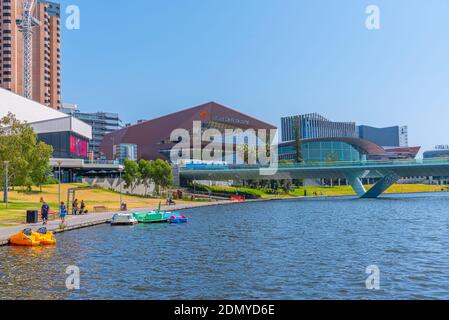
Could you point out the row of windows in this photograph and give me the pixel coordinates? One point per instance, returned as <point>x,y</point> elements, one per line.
<point>323,151</point>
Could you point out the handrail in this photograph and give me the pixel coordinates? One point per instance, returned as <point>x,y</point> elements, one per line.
<point>369,163</point>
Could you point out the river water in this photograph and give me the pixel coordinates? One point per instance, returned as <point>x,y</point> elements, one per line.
<point>299,249</point>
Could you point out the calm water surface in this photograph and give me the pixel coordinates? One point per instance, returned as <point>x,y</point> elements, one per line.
<point>314,249</point>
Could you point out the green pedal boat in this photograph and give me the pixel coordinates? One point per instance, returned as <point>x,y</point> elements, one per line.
<point>151,217</point>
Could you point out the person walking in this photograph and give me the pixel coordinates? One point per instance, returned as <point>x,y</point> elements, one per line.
<point>62,213</point>
<point>44,212</point>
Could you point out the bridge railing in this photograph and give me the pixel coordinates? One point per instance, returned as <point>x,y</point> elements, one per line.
<point>370,163</point>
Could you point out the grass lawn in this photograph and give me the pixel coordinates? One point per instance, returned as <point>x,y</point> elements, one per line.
<point>334,191</point>
<point>20,202</point>
<point>348,191</point>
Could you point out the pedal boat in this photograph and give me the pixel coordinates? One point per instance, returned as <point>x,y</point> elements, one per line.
<point>27,238</point>
<point>46,237</point>
<point>123,219</point>
<point>151,217</point>
<point>177,219</point>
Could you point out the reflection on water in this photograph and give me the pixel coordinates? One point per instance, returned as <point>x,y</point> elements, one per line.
<point>315,249</point>
<point>28,272</point>
<point>41,253</point>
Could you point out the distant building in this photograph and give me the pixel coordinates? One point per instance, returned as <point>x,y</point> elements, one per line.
<point>314,126</point>
<point>102,123</point>
<point>439,152</point>
<point>391,137</point>
<point>402,153</point>
<point>342,149</point>
<point>125,151</point>
<point>403,136</point>
<point>46,54</point>
<point>153,137</point>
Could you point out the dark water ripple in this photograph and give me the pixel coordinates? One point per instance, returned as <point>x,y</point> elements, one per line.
<point>316,249</point>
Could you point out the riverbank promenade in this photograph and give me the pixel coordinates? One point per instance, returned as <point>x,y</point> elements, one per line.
<point>89,220</point>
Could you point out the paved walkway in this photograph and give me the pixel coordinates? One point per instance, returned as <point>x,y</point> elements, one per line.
<point>78,222</point>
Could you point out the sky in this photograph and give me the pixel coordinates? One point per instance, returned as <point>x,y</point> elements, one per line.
<point>267,58</point>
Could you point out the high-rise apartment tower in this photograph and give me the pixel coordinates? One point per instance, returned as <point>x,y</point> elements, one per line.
<point>46,53</point>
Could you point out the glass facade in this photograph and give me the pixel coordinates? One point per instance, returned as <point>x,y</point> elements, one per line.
<point>124,152</point>
<point>329,151</point>
<point>386,137</point>
<point>66,145</point>
<point>102,123</point>
<point>313,126</point>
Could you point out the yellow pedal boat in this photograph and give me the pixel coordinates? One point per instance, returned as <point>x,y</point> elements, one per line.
<point>46,237</point>
<point>26,238</point>
<point>29,238</point>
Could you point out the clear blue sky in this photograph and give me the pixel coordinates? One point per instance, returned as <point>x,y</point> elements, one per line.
<point>267,58</point>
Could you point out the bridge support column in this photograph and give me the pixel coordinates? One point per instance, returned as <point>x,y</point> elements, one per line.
<point>381,186</point>
<point>356,184</point>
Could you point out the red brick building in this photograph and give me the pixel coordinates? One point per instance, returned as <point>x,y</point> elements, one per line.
<point>153,137</point>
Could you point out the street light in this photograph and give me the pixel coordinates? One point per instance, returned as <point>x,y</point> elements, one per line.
<point>59,185</point>
<point>5,192</point>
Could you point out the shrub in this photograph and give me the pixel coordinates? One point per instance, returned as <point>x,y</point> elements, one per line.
<point>231,191</point>
<point>51,181</point>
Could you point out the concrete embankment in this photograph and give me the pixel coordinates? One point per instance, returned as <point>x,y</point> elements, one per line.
<point>94,219</point>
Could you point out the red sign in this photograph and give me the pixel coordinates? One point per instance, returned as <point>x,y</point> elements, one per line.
<point>79,146</point>
<point>204,115</point>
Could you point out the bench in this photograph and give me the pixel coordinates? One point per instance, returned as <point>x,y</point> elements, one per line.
<point>100,209</point>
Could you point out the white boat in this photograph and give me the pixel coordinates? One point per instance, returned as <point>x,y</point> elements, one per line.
<point>123,219</point>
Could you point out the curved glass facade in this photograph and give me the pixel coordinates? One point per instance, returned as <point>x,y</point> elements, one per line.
<point>330,151</point>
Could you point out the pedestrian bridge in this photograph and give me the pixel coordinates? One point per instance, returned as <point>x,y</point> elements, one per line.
<point>388,172</point>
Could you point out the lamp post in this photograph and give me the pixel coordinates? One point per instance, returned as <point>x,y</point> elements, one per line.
<point>5,192</point>
<point>120,170</point>
<point>59,185</point>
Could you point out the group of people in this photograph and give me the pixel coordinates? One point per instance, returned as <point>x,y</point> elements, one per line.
<point>76,209</point>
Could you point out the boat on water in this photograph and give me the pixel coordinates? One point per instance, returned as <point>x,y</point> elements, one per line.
<point>46,237</point>
<point>151,217</point>
<point>123,219</point>
<point>159,216</point>
<point>177,219</point>
<point>30,238</point>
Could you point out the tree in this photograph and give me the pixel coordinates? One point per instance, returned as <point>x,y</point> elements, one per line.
<point>28,160</point>
<point>145,174</point>
<point>161,174</point>
<point>286,185</point>
<point>249,153</point>
<point>131,174</point>
<point>41,168</point>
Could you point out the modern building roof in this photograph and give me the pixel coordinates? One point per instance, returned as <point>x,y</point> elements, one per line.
<point>153,135</point>
<point>42,118</point>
